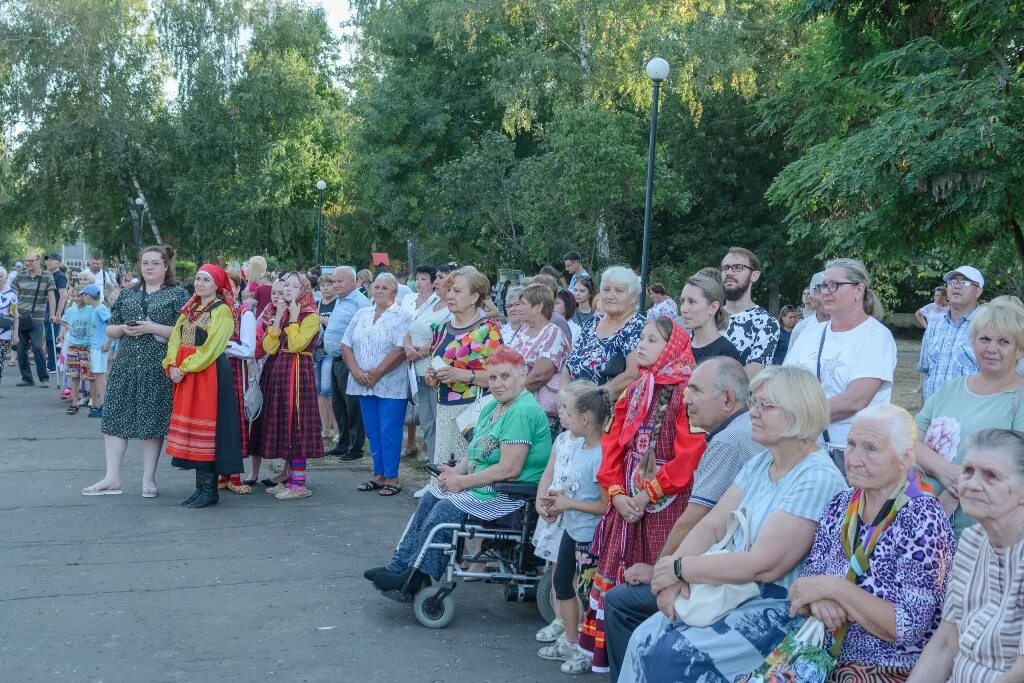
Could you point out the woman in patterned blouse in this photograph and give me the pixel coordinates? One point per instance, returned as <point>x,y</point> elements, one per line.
<point>980,639</point>
<point>463,345</point>
<point>882,555</point>
<point>611,336</point>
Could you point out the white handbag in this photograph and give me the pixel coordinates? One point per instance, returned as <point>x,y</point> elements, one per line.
<point>253,395</point>
<point>467,419</point>
<point>707,604</point>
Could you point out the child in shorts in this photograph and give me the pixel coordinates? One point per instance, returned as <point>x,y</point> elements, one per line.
<point>581,502</point>
<point>76,332</point>
<point>99,347</point>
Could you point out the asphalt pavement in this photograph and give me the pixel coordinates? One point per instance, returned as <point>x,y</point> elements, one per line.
<point>122,588</point>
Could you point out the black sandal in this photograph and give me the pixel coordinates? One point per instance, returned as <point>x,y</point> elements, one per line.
<point>72,410</point>
<point>270,483</point>
<point>388,490</point>
<point>249,483</point>
<point>370,486</point>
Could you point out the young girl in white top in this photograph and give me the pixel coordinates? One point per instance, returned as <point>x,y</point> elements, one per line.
<point>570,497</point>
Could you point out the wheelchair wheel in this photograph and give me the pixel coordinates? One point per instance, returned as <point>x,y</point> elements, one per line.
<point>546,595</point>
<point>431,612</point>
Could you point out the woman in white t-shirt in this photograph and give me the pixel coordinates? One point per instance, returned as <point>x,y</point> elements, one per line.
<point>426,317</point>
<point>853,355</point>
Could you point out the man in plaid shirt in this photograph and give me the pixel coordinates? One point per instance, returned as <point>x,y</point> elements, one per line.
<point>946,351</point>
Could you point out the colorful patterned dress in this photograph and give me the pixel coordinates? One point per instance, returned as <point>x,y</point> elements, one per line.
<point>464,348</point>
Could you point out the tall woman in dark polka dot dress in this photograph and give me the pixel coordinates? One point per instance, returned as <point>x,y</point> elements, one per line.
<point>138,400</point>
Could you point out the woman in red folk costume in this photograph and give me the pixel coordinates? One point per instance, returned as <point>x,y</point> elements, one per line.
<point>649,456</point>
<point>289,426</point>
<point>241,349</point>
<point>204,434</point>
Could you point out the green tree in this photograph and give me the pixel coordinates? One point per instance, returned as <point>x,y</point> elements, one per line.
<point>909,131</point>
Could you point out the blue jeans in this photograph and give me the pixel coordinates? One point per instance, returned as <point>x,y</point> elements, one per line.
<point>322,376</point>
<point>429,513</point>
<point>383,420</point>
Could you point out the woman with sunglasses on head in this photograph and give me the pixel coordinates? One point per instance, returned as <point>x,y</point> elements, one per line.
<point>853,355</point>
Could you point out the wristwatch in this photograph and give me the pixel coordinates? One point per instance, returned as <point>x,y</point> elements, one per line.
<point>677,568</point>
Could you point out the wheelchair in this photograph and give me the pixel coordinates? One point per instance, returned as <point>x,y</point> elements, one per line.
<point>506,552</point>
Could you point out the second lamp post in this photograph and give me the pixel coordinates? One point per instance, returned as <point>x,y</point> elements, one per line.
<point>657,71</point>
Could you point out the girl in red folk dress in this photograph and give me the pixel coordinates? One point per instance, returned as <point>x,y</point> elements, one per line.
<point>648,458</point>
<point>204,434</point>
<point>289,426</point>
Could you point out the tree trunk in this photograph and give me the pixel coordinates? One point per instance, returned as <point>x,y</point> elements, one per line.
<point>147,212</point>
<point>1018,239</point>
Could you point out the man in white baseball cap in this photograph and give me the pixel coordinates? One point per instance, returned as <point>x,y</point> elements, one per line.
<point>946,348</point>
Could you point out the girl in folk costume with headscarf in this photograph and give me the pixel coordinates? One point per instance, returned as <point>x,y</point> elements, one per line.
<point>289,426</point>
<point>204,434</point>
<point>648,459</point>
<point>263,323</point>
<point>240,351</point>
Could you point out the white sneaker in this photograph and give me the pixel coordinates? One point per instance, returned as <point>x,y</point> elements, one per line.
<point>561,650</point>
<point>551,632</point>
<point>579,664</point>
<point>419,494</point>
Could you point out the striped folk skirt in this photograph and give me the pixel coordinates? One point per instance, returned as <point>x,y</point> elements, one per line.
<point>204,433</point>
<point>289,425</point>
<point>237,369</point>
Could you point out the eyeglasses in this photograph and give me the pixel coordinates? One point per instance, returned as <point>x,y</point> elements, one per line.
<point>754,404</point>
<point>736,268</point>
<point>832,287</point>
<point>960,284</point>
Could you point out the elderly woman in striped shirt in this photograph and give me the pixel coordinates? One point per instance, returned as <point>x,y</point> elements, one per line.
<point>980,638</point>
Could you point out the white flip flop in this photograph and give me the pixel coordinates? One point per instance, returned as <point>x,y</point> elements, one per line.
<point>91,491</point>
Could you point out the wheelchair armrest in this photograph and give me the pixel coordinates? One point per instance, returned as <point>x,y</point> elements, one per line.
<point>516,489</point>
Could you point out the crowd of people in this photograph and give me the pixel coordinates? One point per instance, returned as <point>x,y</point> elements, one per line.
<point>709,476</point>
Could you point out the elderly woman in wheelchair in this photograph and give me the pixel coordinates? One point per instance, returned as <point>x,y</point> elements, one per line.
<point>511,443</point>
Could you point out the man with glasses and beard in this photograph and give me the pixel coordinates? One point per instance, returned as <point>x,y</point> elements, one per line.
<point>752,330</point>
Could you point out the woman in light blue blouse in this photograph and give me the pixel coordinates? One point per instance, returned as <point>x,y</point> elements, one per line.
<point>783,492</point>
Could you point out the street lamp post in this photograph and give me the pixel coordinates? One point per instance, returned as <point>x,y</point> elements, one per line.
<point>657,71</point>
<point>320,187</point>
<point>138,223</point>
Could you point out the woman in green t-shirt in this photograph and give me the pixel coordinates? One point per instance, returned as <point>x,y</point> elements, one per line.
<point>511,442</point>
<point>963,406</point>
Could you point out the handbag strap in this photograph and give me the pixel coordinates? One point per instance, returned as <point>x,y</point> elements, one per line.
<point>817,373</point>
<point>737,521</point>
<point>35,297</point>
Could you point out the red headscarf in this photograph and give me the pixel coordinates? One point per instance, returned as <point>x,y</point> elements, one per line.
<point>674,365</point>
<point>194,308</point>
